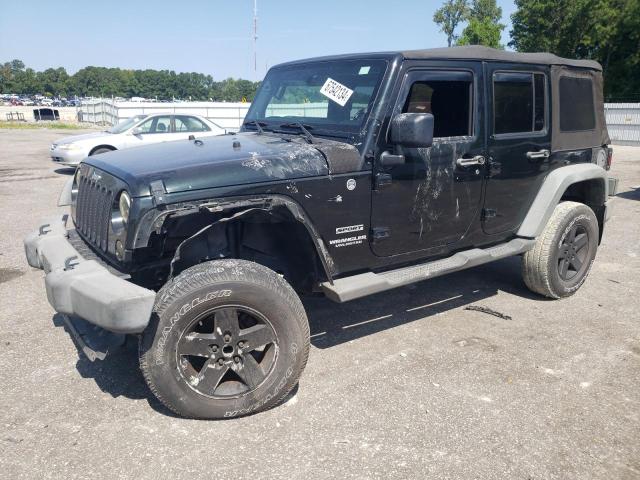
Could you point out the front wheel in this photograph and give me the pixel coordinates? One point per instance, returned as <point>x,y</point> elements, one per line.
<point>562,256</point>
<point>227,338</point>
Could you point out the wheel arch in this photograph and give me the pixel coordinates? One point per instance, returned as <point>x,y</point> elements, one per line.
<point>584,183</point>
<point>273,231</point>
<point>110,147</point>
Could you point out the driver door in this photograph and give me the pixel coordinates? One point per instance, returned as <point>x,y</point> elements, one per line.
<point>431,197</point>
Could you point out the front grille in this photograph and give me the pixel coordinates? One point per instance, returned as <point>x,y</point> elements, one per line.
<point>93,208</point>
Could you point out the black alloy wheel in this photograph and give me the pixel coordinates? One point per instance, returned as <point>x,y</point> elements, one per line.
<point>226,338</point>
<point>573,252</point>
<point>227,352</point>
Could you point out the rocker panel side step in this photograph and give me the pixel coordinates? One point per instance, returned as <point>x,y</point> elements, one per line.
<point>356,286</point>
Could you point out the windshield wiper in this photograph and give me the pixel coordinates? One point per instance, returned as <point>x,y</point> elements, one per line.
<point>258,125</point>
<point>304,129</point>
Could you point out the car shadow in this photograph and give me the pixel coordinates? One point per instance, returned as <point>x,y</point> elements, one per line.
<point>65,170</point>
<point>118,374</point>
<point>332,323</point>
<point>632,194</point>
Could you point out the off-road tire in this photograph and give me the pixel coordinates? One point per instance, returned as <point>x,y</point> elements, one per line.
<point>98,151</point>
<point>542,266</point>
<point>203,292</point>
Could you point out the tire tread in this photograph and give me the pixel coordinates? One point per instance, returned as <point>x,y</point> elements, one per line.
<point>536,262</point>
<point>206,274</point>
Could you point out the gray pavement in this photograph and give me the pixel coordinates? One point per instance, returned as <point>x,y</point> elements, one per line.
<point>404,384</point>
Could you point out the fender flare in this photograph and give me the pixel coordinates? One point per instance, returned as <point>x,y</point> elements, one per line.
<point>154,219</point>
<point>551,191</point>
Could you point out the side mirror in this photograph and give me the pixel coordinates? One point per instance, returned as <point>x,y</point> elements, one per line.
<point>412,130</point>
<point>136,131</point>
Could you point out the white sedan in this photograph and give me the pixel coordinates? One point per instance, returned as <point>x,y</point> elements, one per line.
<point>136,131</point>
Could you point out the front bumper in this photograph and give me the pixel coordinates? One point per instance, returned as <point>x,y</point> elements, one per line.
<point>68,158</point>
<point>84,288</point>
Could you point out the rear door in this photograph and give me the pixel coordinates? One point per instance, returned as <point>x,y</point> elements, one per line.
<point>519,142</point>
<point>432,197</point>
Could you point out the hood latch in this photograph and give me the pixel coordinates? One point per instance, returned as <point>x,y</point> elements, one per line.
<point>158,191</point>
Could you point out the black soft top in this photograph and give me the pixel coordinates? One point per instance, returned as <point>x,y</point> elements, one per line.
<point>467,52</point>
<point>477,52</point>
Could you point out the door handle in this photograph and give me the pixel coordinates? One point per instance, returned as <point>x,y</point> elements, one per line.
<point>469,162</point>
<point>539,155</point>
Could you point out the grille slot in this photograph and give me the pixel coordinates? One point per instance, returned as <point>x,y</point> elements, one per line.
<point>93,210</point>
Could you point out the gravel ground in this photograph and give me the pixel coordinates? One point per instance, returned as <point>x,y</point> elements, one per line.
<point>405,384</point>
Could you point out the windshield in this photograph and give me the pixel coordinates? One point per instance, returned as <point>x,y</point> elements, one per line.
<point>334,96</point>
<point>125,124</point>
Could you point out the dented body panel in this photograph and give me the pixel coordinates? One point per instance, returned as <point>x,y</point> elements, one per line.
<point>226,160</point>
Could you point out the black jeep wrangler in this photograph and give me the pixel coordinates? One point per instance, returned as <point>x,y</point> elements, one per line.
<point>351,175</point>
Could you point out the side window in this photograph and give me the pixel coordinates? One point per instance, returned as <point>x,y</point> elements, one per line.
<point>156,125</point>
<point>448,100</point>
<point>576,104</point>
<point>519,101</point>
<point>185,123</point>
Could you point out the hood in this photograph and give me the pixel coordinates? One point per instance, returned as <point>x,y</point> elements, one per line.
<point>225,160</point>
<point>80,138</point>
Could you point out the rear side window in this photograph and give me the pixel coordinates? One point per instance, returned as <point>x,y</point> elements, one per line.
<point>577,110</point>
<point>189,124</point>
<point>448,97</point>
<point>519,101</point>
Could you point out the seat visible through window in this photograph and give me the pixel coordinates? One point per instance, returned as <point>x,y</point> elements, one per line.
<point>448,101</point>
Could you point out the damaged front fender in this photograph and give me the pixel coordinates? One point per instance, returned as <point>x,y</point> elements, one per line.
<point>210,238</point>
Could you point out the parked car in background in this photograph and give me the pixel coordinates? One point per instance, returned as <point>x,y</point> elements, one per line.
<point>136,131</point>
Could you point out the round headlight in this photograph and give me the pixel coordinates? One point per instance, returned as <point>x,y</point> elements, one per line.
<point>125,205</point>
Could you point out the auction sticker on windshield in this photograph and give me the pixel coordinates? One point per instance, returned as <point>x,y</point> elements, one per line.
<point>336,91</point>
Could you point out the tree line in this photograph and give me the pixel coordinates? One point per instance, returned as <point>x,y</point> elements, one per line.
<point>16,78</point>
<point>607,31</point>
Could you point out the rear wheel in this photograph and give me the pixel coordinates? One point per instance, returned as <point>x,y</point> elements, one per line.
<point>563,254</point>
<point>227,338</point>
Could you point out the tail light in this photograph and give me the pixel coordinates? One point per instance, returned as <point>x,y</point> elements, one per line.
<point>609,158</point>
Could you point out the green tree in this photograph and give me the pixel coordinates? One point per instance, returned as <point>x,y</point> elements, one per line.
<point>483,27</point>
<point>8,73</point>
<point>449,16</point>
<point>54,81</point>
<point>604,30</point>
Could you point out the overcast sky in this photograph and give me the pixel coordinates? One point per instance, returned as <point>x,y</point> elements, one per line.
<point>211,36</point>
